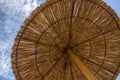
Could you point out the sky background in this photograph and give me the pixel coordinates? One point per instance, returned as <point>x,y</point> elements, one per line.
<point>12,15</point>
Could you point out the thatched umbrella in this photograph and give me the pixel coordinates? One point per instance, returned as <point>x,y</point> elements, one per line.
<point>68,40</point>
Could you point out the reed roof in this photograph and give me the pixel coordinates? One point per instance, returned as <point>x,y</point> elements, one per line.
<point>90,28</point>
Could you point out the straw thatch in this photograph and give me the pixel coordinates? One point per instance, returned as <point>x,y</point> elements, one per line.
<point>89,28</point>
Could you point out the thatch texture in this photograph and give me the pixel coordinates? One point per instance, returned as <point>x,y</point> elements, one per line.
<point>89,28</point>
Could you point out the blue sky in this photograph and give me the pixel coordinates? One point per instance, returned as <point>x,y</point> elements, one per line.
<point>12,15</point>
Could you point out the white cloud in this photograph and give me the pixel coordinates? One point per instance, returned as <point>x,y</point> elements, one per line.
<point>29,6</point>
<point>12,15</point>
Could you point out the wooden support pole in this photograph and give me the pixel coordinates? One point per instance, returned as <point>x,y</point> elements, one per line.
<point>82,67</point>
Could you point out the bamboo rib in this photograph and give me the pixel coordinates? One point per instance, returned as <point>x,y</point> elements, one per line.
<point>85,70</point>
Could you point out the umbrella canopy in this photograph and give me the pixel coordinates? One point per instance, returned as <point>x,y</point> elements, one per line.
<point>56,29</point>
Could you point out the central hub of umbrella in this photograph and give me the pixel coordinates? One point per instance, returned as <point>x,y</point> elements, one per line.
<point>58,50</point>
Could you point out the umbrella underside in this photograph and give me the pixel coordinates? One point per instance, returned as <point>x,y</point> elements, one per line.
<point>89,28</point>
